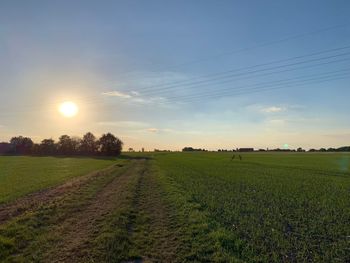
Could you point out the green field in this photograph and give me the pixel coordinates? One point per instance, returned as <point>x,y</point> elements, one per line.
<point>268,207</point>
<point>23,175</point>
<point>179,207</point>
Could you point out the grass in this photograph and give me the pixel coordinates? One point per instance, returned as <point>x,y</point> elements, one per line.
<point>23,175</point>
<point>193,207</point>
<point>266,208</point>
<point>39,235</point>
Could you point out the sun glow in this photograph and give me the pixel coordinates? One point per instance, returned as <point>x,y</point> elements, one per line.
<point>68,109</point>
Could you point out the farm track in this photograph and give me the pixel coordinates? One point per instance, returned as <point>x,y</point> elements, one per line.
<point>80,228</point>
<point>33,201</point>
<point>119,214</point>
<point>151,223</point>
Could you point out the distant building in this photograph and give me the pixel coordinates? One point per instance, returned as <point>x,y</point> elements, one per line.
<point>246,149</point>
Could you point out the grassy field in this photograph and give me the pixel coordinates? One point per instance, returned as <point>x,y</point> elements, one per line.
<point>22,175</point>
<point>267,207</point>
<point>184,207</point>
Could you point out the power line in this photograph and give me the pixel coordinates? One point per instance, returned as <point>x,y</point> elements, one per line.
<point>229,78</point>
<point>246,75</point>
<point>224,91</point>
<point>262,89</point>
<point>185,82</point>
<point>317,75</point>
<point>245,49</point>
<point>247,90</point>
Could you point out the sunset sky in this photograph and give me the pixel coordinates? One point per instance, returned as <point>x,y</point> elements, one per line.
<point>170,74</point>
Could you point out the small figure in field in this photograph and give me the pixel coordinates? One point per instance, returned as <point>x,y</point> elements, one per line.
<point>240,157</point>
<point>233,157</point>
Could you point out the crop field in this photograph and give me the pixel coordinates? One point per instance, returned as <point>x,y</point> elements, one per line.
<point>22,175</point>
<point>268,207</point>
<point>177,207</point>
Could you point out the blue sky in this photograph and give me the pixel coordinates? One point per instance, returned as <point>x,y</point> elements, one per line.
<point>169,74</point>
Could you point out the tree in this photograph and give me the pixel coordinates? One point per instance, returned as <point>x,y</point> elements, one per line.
<point>312,150</point>
<point>65,145</point>
<point>110,145</point>
<point>88,145</point>
<point>344,149</point>
<point>300,149</point>
<point>76,145</point>
<point>191,149</point>
<point>22,145</point>
<point>35,149</point>
<point>47,147</point>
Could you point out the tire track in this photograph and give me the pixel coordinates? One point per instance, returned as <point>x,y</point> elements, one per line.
<point>33,201</point>
<point>152,227</point>
<point>80,228</point>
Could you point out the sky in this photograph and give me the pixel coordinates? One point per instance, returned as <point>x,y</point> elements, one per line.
<point>170,74</point>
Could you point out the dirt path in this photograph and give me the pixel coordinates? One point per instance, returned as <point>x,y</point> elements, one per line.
<point>115,215</point>
<point>152,228</point>
<point>32,201</point>
<point>80,229</point>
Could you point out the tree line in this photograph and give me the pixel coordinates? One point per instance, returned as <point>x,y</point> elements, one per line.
<point>340,149</point>
<point>191,149</point>
<point>88,145</point>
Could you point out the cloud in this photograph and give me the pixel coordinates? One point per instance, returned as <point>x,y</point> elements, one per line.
<point>116,93</point>
<point>277,121</point>
<point>273,109</point>
<point>136,97</point>
<point>150,100</point>
<point>124,124</point>
<point>154,130</point>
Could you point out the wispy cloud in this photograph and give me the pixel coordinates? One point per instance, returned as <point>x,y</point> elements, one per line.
<point>124,124</point>
<point>136,97</point>
<point>149,100</point>
<point>277,121</point>
<point>157,130</point>
<point>135,126</point>
<point>153,130</point>
<point>116,93</point>
<point>273,109</point>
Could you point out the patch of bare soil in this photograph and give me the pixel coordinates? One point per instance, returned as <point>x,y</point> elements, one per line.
<point>32,201</point>
<point>81,227</point>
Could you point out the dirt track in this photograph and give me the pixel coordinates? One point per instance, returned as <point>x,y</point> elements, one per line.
<point>80,228</point>
<point>121,205</point>
<point>33,201</point>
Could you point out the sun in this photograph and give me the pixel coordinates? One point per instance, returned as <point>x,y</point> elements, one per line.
<point>68,109</point>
